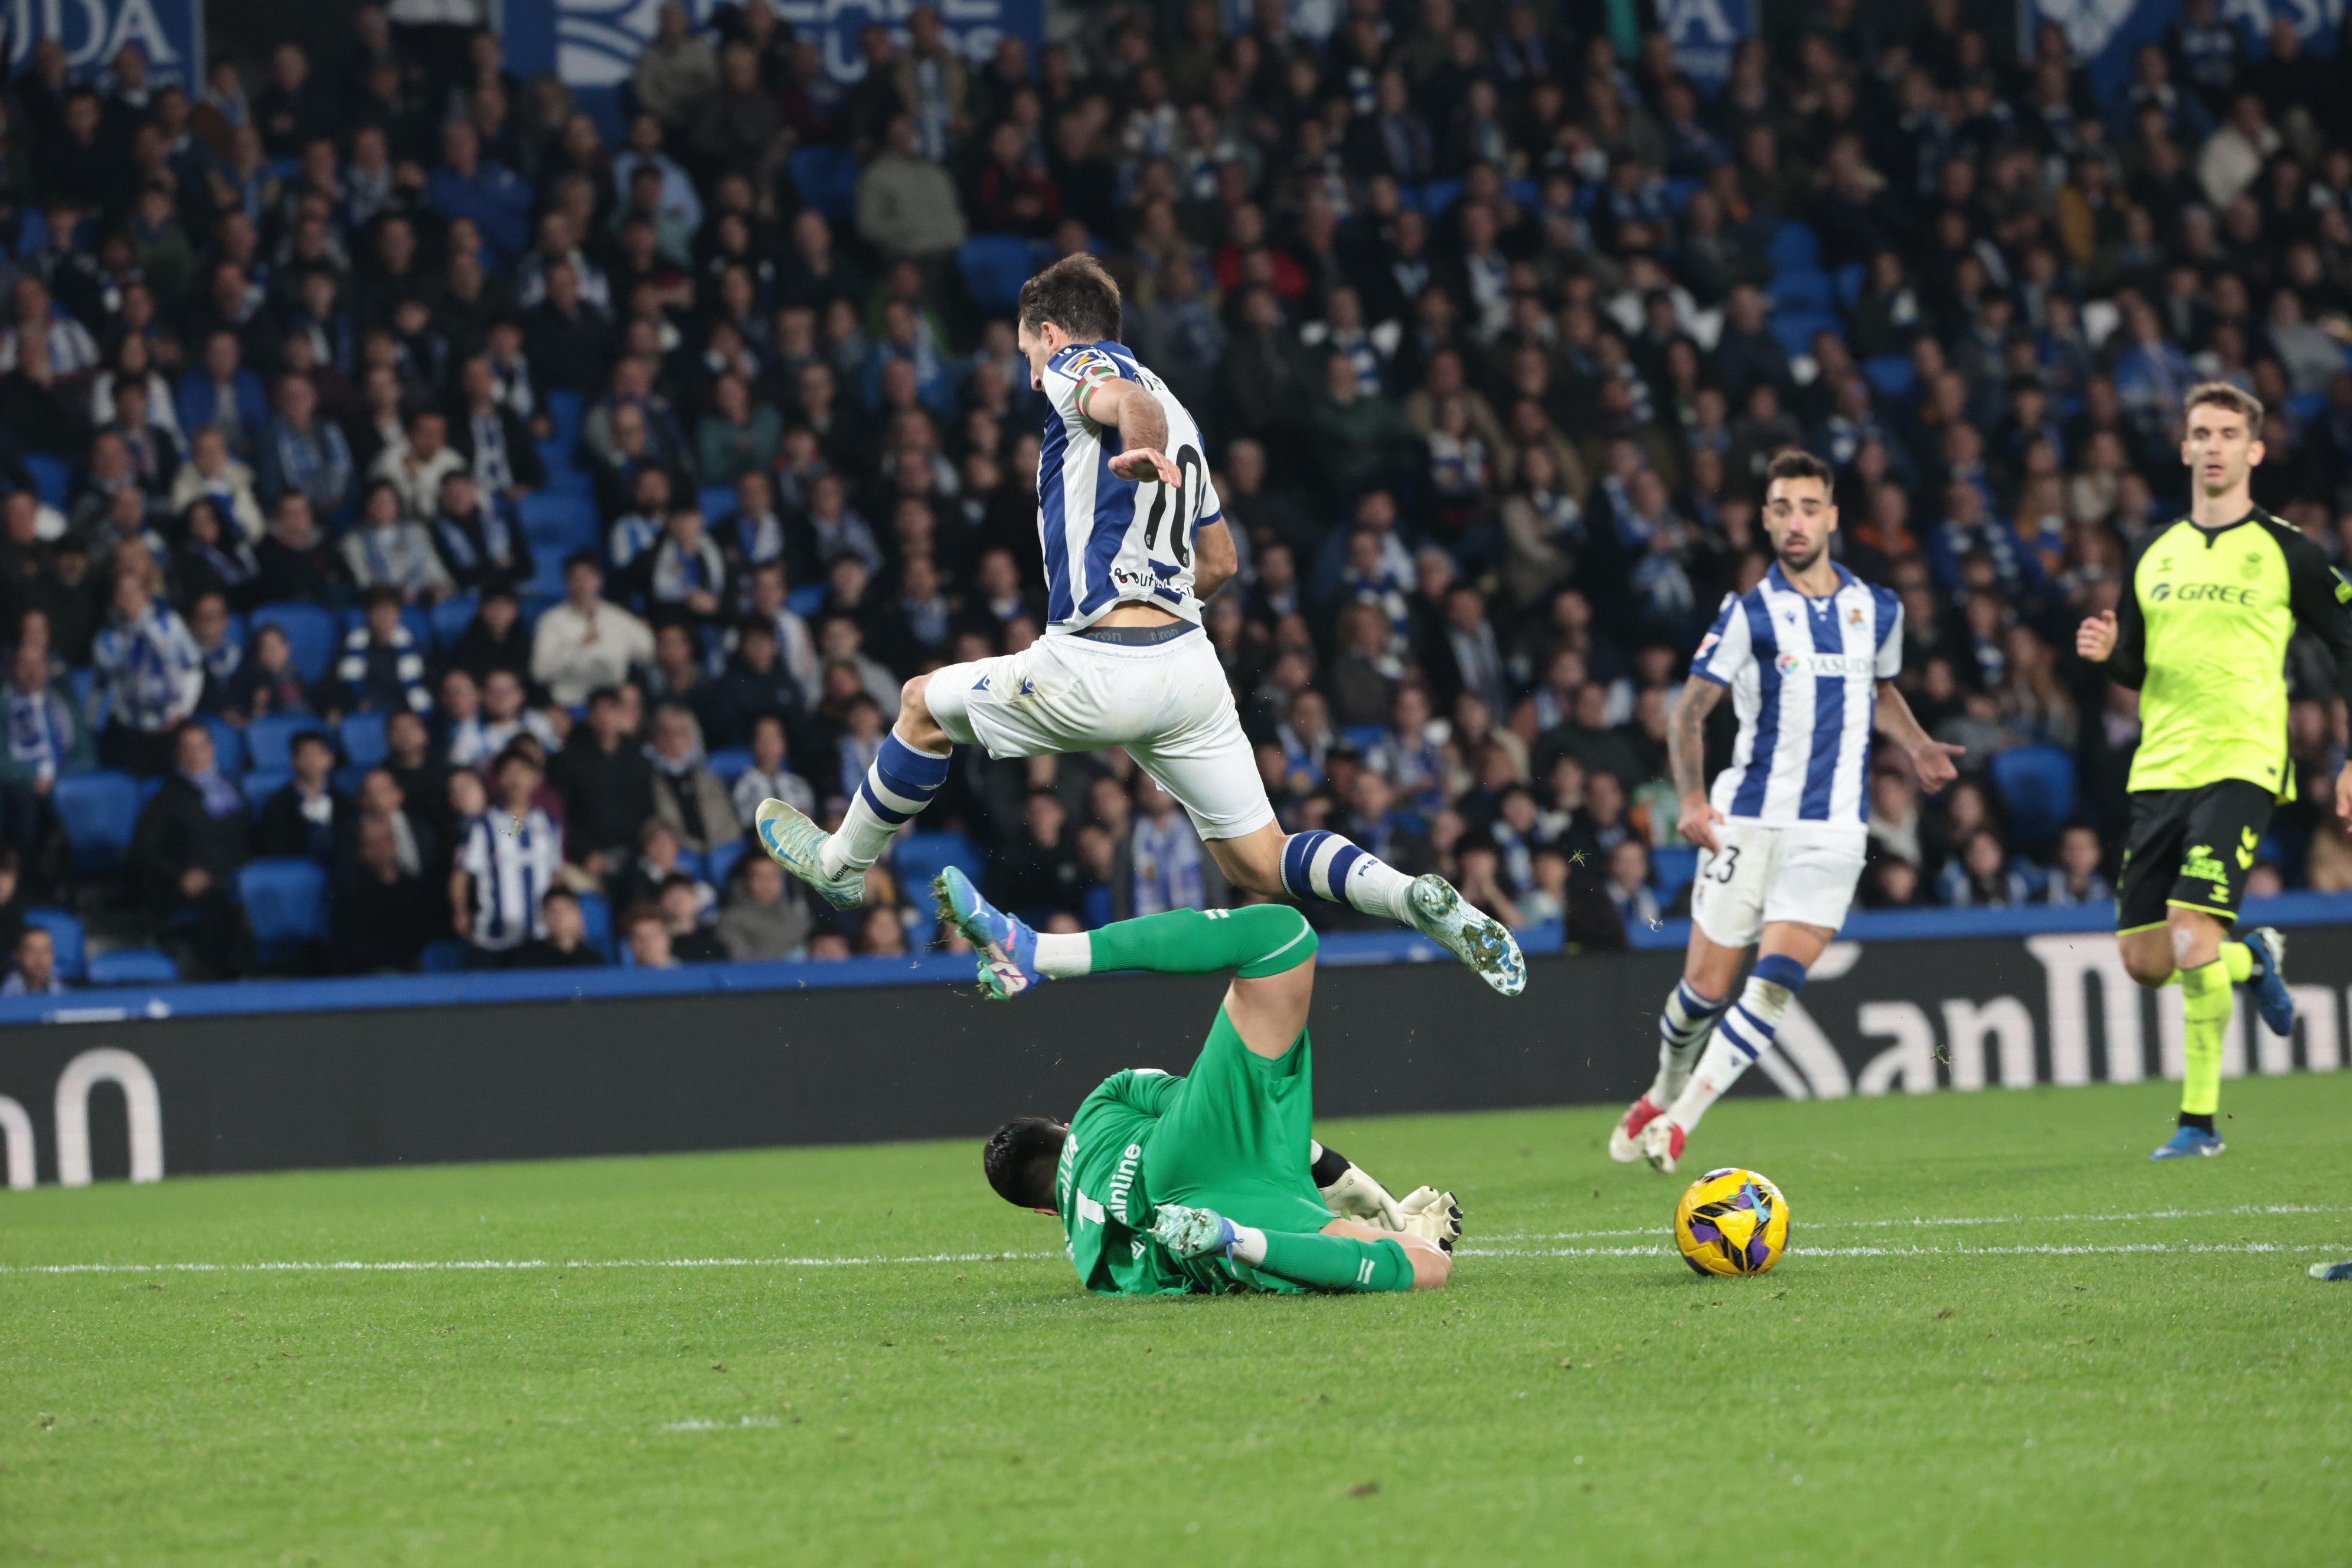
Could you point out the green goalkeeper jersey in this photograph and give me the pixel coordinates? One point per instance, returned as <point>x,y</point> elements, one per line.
<point>1098,1190</point>
<point>2202,631</point>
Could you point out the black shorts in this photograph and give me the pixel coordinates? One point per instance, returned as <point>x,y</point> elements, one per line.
<point>2191,847</point>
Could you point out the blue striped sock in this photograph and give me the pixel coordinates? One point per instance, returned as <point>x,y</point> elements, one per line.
<point>896,788</point>
<point>1683,1025</point>
<point>1320,865</point>
<point>1744,1033</point>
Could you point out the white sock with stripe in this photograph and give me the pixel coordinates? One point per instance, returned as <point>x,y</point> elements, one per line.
<point>1744,1033</point>
<point>896,787</point>
<point>1684,1025</point>
<point>1319,865</point>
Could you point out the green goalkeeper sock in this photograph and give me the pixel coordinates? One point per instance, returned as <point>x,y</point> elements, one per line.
<point>1337,1262</point>
<point>1259,940</point>
<point>2205,1003</point>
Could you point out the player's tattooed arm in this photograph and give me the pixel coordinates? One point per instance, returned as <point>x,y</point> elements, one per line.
<point>1686,759</point>
<point>1214,560</point>
<point>1142,426</point>
<point>1935,761</point>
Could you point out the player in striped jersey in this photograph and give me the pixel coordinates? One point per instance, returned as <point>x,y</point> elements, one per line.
<point>1134,539</point>
<point>1809,656</point>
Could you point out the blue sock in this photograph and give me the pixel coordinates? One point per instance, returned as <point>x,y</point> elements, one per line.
<point>896,788</point>
<point>1683,1025</point>
<point>1744,1033</point>
<point>1319,865</point>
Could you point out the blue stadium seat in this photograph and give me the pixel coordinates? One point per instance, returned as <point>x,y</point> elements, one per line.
<point>715,501</point>
<point>919,857</point>
<point>2037,783</point>
<point>269,741</point>
<point>1891,374</point>
<point>52,479</point>
<point>1364,737</point>
<point>1794,244</point>
<point>310,631</point>
<point>1795,329</point>
<point>1799,288</point>
<point>566,410</point>
<point>66,936</point>
<point>1848,281</point>
<point>228,745</point>
<point>730,762</point>
<point>447,956</point>
<point>1671,870</point>
<point>263,783</point>
<point>826,178</point>
<point>286,899</point>
<point>564,477</point>
<point>133,966</point>
<point>348,779</point>
<point>1680,192</point>
<point>597,916</point>
<point>1438,196</point>
<point>2305,406</point>
<point>451,616</point>
<point>719,863</point>
<point>559,524</point>
<point>993,266</point>
<point>807,599</point>
<point>546,579</point>
<point>363,742</point>
<point>98,808</point>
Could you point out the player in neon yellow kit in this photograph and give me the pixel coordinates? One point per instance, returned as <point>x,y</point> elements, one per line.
<point>1211,1182</point>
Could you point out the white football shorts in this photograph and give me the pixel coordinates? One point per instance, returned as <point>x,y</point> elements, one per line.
<point>1805,873</point>
<point>1167,703</point>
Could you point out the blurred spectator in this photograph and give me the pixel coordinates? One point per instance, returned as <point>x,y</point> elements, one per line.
<point>152,674</point>
<point>509,855</point>
<point>1979,876</point>
<point>770,776</point>
<point>35,970</point>
<point>385,911</point>
<point>185,850</point>
<point>586,642</point>
<point>645,931</point>
<point>383,669</point>
<point>2077,879</point>
<point>566,944</point>
<point>606,786</point>
<point>681,899</point>
<point>46,741</point>
<point>308,817</point>
<point>764,917</point>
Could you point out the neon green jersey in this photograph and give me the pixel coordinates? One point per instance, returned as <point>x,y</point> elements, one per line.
<point>2202,631</point>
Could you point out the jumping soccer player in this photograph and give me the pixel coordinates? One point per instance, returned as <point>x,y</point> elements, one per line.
<point>1211,1182</point>
<point>1810,655</point>
<point>1134,539</point>
<point>2210,602</point>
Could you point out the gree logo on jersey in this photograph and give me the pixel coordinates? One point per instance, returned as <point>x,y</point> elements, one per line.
<point>2208,593</point>
<point>1825,664</point>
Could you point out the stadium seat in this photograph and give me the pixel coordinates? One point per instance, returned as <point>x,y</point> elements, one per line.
<point>1679,192</point>
<point>309,632</point>
<point>561,523</point>
<point>1671,870</point>
<point>348,779</point>
<point>715,501</point>
<point>596,915</point>
<point>1848,281</point>
<point>286,899</point>
<point>451,616</point>
<point>919,857</point>
<point>1891,374</point>
<point>66,935</point>
<point>1438,196</point>
<point>363,742</point>
<point>133,966</point>
<point>730,762</point>
<point>1362,738</point>
<point>1795,329</point>
<point>546,579</point>
<point>719,863</point>
<point>2038,784</point>
<point>826,178</point>
<point>564,477</point>
<point>1794,244</point>
<point>447,956</point>
<point>993,266</point>
<point>566,410</point>
<point>1799,288</point>
<point>269,741</point>
<point>263,783</point>
<point>52,479</point>
<point>228,745</point>
<point>98,808</point>
<point>807,599</point>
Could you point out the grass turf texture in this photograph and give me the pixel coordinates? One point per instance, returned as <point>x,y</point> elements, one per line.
<point>1567,1400</point>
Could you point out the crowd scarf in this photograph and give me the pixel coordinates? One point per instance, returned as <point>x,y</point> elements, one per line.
<point>677,768</point>
<point>496,546</point>
<point>221,797</point>
<point>34,740</point>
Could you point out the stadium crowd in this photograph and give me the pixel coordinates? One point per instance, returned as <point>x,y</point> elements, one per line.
<point>426,504</point>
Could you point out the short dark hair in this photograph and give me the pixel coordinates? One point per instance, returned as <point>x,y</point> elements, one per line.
<point>1076,295</point>
<point>309,738</point>
<point>556,892</point>
<point>1020,1159</point>
<point>382,593</point>
<point>1796,463</point>
<point>582,558</point>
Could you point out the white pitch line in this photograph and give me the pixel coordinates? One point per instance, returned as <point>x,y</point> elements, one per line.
<point>2043,1250</point>
<point>437,1265</point>
<point>2238,1210</point>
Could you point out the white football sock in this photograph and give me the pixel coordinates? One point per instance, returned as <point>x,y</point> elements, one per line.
<point>1744,1033</point>
<point>897,786</point>
<point>1683,1025</point>
<point>1249,1245</point>
<point>1061,954</point>
<point>1320,865</point>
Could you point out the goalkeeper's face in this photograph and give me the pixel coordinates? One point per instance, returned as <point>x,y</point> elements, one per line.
<point>1020,1159</point>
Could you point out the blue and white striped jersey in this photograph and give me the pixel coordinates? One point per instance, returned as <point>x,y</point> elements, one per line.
<point>1803,674</point>
<point>1109,540</point>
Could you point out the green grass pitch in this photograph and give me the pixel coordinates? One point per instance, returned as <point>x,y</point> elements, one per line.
<point>2014,1341</point>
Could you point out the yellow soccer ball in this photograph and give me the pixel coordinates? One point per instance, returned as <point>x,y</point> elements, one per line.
<point>1732,1222</point>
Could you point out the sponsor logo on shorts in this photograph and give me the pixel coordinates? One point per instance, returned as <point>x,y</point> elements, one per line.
<point>2204,866</point>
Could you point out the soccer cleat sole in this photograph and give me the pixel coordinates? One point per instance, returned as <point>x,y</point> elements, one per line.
<point>1190,1232</point>
<point>1000,979</point>
<point>793,842</point>
<point>1658,1146</point>
<point>1451,921</point>
<point>1625,1138</point>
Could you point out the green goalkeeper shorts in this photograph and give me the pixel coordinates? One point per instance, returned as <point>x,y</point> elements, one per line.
<point>1234,1138</point>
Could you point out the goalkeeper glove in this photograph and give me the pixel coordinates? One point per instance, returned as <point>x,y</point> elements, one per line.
<point>1432,1216</point>
<point>1355,1194</point>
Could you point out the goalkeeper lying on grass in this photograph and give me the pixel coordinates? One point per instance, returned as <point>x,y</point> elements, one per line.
<point>1208,1183</point>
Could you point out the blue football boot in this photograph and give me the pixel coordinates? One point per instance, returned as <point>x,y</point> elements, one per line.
<point>1008,948</point>
<point>2269,979</point>
<point>2188,1142</point>
<point>2333,1272</point>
